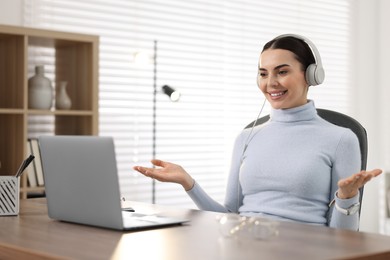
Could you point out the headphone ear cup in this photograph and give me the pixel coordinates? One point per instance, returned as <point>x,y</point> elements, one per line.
<point>315,75</point>
<point>320,75</point>
<point>310,75</point>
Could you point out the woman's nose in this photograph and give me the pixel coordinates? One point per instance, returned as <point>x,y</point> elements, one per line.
<point>272,81</point>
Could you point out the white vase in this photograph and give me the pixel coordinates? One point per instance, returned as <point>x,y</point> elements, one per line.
<point>40,92</point>
<point>62,99</point>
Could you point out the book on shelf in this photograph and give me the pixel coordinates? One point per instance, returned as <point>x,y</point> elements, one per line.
<point>37,161</point>
<point>30,170</point>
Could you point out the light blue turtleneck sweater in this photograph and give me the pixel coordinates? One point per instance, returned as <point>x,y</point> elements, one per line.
<point>290,170</point>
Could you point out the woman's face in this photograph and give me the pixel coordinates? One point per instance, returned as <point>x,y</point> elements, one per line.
<point>281,79</point>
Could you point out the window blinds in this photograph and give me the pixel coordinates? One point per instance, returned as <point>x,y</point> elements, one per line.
<point>209,51</point>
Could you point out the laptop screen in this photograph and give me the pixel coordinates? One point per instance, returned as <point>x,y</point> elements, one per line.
<point>81,179</point>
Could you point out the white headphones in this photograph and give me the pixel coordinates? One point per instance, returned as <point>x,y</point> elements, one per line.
<point>315,73</point>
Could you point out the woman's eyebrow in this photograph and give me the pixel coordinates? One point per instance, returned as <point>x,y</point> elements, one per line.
<point>276,68</point>
<point>280,66</point>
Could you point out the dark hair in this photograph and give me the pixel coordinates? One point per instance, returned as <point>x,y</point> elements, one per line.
<point>300,48</point>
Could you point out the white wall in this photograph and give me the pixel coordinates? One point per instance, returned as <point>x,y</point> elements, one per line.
<point>370,92</point>
<point>384,105</point>
<point>11,12</point>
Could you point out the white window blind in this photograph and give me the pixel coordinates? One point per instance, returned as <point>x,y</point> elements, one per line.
<point>209,51</point>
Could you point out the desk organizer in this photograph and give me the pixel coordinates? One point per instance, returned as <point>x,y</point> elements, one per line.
<point>9,195</point>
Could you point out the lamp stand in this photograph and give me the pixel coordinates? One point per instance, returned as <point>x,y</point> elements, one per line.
<point>154,116</point>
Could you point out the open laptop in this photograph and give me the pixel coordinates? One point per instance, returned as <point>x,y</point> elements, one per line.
<point>81,184</point>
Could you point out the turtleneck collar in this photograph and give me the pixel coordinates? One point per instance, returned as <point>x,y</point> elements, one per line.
<point>301,113</point>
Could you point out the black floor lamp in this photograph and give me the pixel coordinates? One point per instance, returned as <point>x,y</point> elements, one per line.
<point>173,95</point>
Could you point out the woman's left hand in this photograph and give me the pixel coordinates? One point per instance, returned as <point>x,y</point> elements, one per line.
<point>350,186</point>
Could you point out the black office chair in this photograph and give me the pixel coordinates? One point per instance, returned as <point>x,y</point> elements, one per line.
<point>344,121</point>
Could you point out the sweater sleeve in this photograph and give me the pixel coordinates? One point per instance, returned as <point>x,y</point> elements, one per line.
<point>204,201</point>
<point>233,197</point>
<point>347,162</point>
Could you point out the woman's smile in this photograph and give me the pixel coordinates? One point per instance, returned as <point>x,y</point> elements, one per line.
<point>277,94</point>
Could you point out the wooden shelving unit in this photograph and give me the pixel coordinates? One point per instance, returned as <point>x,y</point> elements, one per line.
<point>75,61</point>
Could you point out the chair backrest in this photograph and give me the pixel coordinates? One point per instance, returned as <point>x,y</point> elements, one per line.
<point>344,121</point>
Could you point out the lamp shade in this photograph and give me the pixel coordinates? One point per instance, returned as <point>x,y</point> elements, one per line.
<point>173,94</point>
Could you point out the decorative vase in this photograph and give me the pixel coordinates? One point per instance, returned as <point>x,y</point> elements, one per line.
<point>62,99</point>
<point>40,92</point>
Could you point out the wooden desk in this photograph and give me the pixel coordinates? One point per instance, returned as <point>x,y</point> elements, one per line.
<point>32,235</point>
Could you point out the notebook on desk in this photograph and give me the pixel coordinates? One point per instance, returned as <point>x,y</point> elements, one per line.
<point>81,184</point>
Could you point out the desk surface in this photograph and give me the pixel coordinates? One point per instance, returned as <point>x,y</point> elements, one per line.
<point>32,234</point>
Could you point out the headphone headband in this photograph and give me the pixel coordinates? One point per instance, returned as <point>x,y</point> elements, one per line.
<point>315,73</point>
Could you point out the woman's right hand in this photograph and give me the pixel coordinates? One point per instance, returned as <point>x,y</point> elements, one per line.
<point>167,172</point>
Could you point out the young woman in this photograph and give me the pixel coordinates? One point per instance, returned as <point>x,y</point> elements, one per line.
<point>293,166</point>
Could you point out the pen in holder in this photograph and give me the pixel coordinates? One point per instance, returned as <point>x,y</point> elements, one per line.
<point>9,195</point>
<point>9,190</point>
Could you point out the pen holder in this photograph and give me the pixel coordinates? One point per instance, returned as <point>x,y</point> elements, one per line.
<point>9,195</point>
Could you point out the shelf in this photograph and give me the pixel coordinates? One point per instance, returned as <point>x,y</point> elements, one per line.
<point>34,189</point>
<point>61,112</point>
<point>70,57</point>
<point>11,111</point>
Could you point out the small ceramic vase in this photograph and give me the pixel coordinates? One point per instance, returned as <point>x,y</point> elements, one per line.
<point>62,98</point>
<point>40,92</point>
